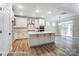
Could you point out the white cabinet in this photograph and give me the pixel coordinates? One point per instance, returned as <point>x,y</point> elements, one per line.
<point>41,38</point>
<point>44,38</point>
<point>52,37</point>
<point>20,34</point>
<point>48,39</point>
<point>34,40</point>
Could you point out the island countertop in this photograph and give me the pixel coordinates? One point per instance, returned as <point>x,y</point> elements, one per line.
<point>45,32</point>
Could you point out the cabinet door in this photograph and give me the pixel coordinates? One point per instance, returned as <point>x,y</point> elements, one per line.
<point>5,36</point>
<point>52,37</point>
<point>34,40</point>
<point>45,38</point>
<point>42,39</point>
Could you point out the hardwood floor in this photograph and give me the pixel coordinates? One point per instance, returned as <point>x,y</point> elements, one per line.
<point>20,48</point>
<point>64,46</point>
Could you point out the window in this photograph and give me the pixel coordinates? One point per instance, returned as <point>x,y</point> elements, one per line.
<point>66,28</point>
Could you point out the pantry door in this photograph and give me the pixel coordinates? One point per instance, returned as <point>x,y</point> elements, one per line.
<point>1,34</point>
<point>5,33</point>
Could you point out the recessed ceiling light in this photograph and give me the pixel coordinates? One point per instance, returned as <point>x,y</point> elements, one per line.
<point>20,6</point>
<point>49,12</point>
<point>37,11</point>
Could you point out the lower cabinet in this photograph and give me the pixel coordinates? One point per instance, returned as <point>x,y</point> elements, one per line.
<point>39,39</point>
<point>52,37</point>
<point>34,40</point>
<point>44,38</point>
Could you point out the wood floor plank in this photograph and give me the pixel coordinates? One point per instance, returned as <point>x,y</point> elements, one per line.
<point>14,46</point>
<point>44,52</point>
<point>39,51</point>
<point>47,52</point>
<point>33,51</point>
<point>56,51</point>
<point>51,51</point>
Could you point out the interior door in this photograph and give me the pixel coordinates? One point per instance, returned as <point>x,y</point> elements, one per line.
<point>1,34</point>
<point>5,35</point>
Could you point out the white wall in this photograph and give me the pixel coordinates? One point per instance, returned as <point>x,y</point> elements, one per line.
<point>76,27</point>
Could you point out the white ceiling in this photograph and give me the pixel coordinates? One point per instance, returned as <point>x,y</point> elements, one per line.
<point>29,9</point>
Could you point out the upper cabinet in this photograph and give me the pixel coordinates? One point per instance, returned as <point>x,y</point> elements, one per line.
<point>32,24</point>
<point>20,22</point>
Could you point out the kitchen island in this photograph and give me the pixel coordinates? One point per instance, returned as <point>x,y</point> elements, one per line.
<point>40,38</point>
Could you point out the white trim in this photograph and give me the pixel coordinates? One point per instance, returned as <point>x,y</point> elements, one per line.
<point>68,36</point>
<point>76,37</point>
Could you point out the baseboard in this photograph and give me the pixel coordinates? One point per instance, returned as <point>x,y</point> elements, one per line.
<point>76,37</point>
<point>69,36</point>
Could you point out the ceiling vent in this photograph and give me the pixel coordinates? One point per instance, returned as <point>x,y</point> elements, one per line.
<point>63,13</point>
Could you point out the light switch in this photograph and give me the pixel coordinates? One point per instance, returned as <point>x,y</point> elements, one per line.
<point>0,31</point>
